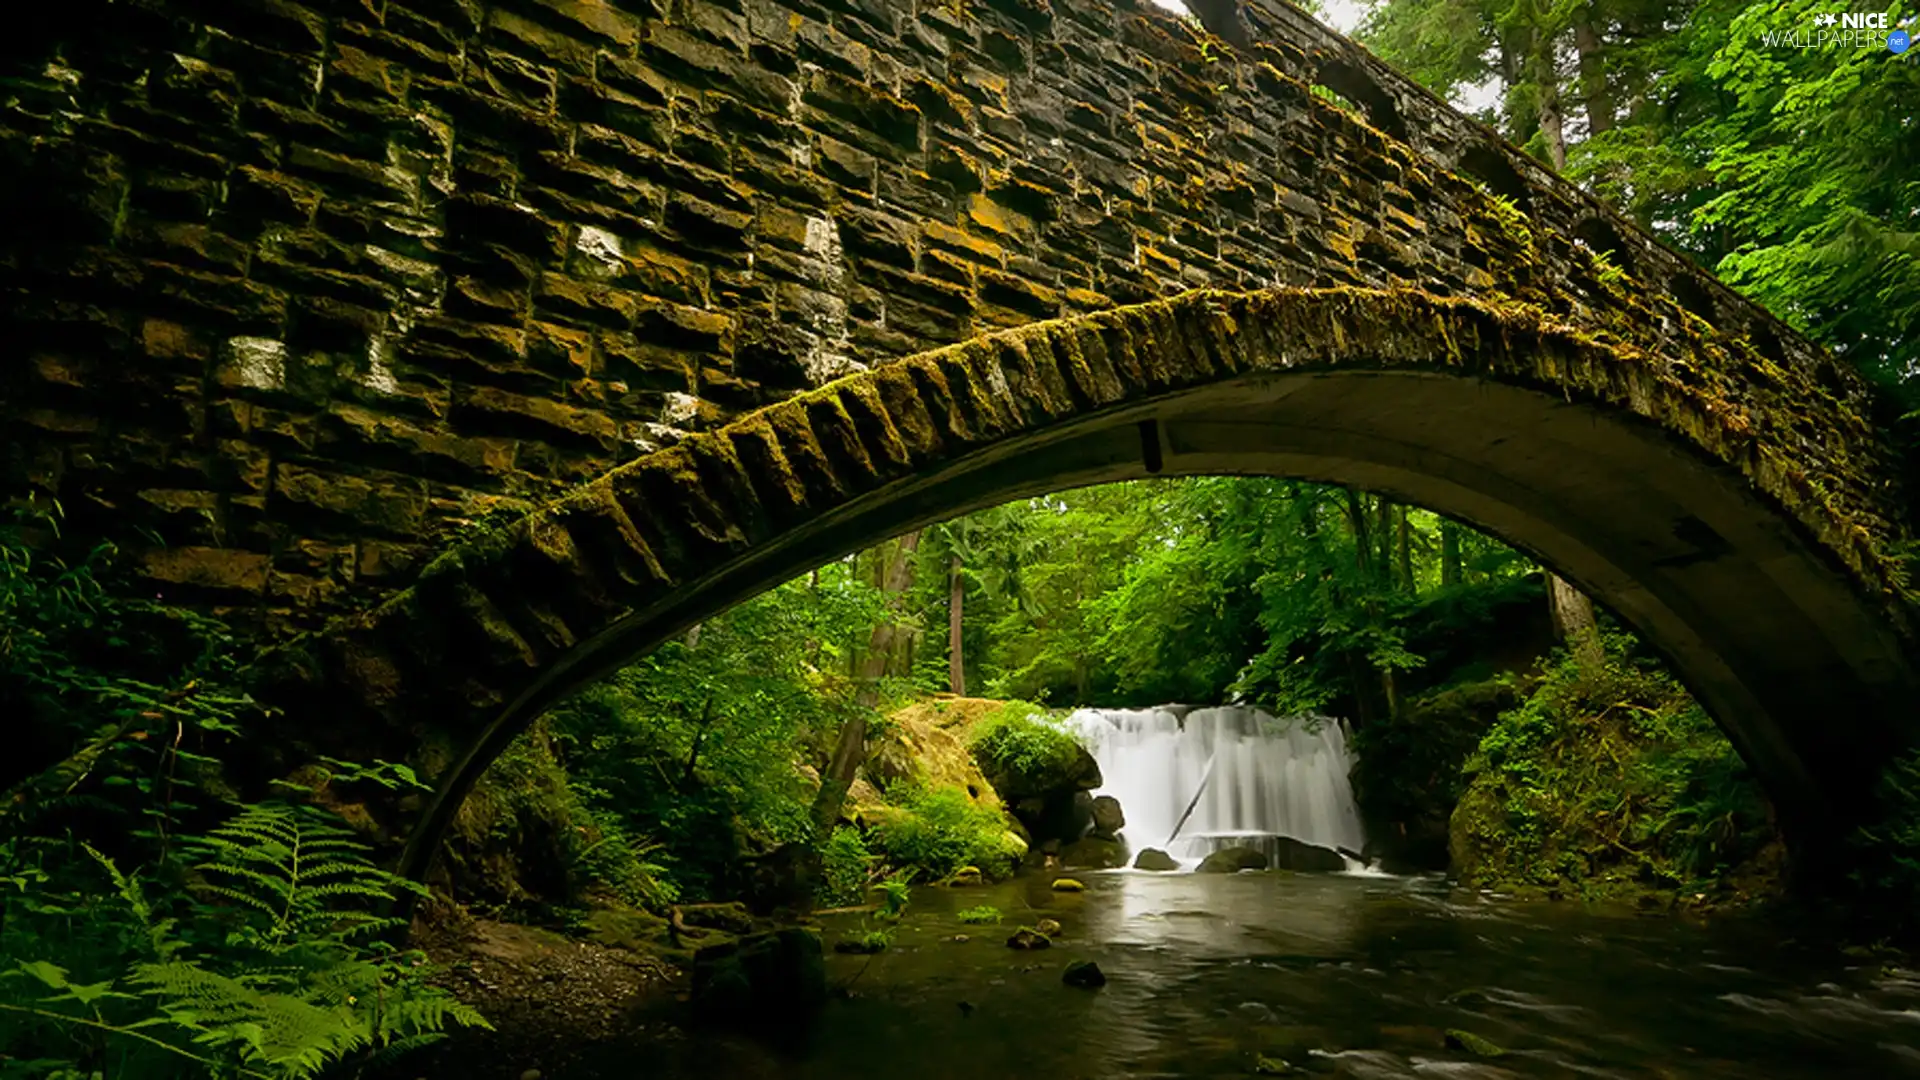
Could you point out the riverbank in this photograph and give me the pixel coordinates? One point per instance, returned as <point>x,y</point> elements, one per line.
<point>558,1002</point>
<point>1242,975</point>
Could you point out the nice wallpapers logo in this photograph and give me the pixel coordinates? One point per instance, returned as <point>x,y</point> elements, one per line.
<point>1844,30</point>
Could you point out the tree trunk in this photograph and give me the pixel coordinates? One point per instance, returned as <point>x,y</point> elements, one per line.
<point>1405,543</point>
<point>1362,541</point>
<point>1449,553</point>
<point>956,662</point>
<point>1596,97</point>
<point>1383,532</point>
<point>1574,622</point>
<point>895,578</point>
<point>1546,80</point>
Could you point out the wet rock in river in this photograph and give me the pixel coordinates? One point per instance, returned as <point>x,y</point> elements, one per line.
<point>1108,819</point>
<point>1291,854</point>
<point>1049,927</point>
<point>1027,938</point>
<point>1156,860</point>
<point>1084,975</point>
<point>732,918</point>
<point>1093,853</point>
<point>763,977</point>
<point>1472,1044</point>
<point>1230,860</point>
<point>1067,884</point>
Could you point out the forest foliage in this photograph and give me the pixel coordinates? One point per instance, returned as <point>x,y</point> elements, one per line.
<point>1789,172</point>
<point>153,924</point>
<point>1609,780</point>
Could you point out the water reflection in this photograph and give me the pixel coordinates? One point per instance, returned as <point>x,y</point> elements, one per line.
<point>1338,975</point>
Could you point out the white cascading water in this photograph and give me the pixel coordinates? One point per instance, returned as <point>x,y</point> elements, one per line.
<point>1271,777</point>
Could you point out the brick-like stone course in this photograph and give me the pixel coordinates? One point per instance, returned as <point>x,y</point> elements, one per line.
<point>305,288</point>
<point>503,624</point>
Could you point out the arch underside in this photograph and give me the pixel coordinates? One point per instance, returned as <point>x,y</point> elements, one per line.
<point>1519,429</point>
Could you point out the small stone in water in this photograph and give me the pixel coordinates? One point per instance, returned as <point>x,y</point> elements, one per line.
<point>1084,974</point>
<point>1267,1066</point>
<point>1067,884</point>
<point>1472,1044</point>
<point>1049,927</point>
<point>1027,938</point>
<point>961,938</point>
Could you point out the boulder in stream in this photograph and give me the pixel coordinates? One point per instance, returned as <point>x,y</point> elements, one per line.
<point>1084,975</point>
<point>1291,854</point>
<point>764,978</point>
<point>1232,859</point>
<point>1067,884</point>
<point>1027,938</point>
<point>1156,860</point>
<point>1093,853</point>
<point>1473,1044</point>
<point>1108,818</point>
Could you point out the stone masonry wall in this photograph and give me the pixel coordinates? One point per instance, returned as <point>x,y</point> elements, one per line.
<point>304,288</point>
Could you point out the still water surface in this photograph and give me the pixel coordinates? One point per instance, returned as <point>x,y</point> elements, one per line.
<point>1334,974</point>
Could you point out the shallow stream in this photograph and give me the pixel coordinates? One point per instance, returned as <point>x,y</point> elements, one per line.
<point>1335,974</point>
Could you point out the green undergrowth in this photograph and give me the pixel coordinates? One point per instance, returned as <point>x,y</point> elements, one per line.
<point>1017,740</point>
<point>1612,784</point>
<point>1885,855</point>
<point>152,924</point>
<point>847,868</point>
<point>531,837</point>
<point>940,830</point>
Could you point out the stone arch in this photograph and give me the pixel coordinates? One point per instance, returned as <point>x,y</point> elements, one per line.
<point>1602,238</point>
<point>1353,84</point>
<point>1608,460</point>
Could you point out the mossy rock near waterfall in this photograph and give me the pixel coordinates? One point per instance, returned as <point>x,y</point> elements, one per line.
<point>1231,860</point>
<point>921,744</point>
<point>1156,860</point>
<point>1093,853</point>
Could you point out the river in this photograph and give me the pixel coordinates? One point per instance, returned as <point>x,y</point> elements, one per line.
<point>1336,974</point>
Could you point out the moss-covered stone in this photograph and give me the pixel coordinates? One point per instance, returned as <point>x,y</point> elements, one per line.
<point>1476,1045</point>
<point>1611,783</point>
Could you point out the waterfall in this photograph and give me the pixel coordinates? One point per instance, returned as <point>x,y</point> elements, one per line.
<point>1271,777</point>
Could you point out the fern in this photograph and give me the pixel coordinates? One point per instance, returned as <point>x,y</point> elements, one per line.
<point>293,986</point>
<point>295,867</point>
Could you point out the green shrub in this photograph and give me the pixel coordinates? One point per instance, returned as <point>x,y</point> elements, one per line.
<point>895,895</point>
<point>1887,852</point>
<point>943,830</point>
<point>153,928</point>
<point>846,865</point>
<point>1603,781</point>
<point>866,941</point>
<point>1016,739</point>
<point>985,913</point>
<point>275,970</point>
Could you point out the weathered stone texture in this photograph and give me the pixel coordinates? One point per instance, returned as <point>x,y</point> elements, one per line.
<point>305,287</point>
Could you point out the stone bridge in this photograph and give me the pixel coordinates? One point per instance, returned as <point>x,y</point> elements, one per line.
<point>467,349</point>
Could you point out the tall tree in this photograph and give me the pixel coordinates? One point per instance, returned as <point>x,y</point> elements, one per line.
<point>886,646</point>
<point>1574,621</point>
<point>956,600</point>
